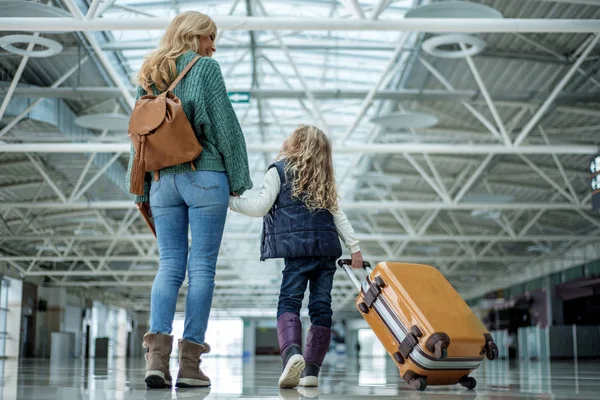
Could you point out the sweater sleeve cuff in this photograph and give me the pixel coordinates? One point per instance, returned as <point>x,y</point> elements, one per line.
<point>239,191</point>
<point>142,199</point>
<point>354,248</point>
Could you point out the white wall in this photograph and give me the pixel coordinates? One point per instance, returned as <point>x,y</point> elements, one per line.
<point>51,320</point>
<point>73,323</point>
<point>13,317</point>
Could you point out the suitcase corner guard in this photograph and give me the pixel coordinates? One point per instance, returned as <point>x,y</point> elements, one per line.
<point>371,294</point>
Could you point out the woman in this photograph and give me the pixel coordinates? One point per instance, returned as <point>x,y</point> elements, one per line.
<point>190,196</point>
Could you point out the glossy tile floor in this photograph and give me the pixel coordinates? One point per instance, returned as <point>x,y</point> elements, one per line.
<point>342,378</point>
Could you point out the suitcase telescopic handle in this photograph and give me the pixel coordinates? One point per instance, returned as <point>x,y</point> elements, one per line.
<point>347,261</point>
<point>345,264</point>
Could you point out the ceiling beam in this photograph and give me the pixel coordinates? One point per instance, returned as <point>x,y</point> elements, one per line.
<point>395,148</point>
<point>524,97</point>
<point>245,23</point>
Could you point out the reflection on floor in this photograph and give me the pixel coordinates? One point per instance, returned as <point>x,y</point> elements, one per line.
<point>346,378</point>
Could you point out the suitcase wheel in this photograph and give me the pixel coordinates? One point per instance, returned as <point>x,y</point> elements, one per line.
<point>444,353</point>
<point>363,308</point>
<point>440,350</point>
<point>491,351</point>
<point>468,382</point>
<point>418,384</point>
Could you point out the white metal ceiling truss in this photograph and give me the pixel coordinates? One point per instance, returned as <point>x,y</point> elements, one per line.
<point>494,194</point>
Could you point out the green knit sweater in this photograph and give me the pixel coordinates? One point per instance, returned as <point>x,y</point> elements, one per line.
<point>208,108</point>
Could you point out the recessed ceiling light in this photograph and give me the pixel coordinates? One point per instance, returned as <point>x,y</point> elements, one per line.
<point>454,9</point>
<point>486,214</point>
<point>112,122</point>
<point>378,177</point>
<point>406,120</point>
<point>473,45</point>
<point>538,249</point>
<point>424,249</point>
<point>52,46</point>
<point>488,198</point>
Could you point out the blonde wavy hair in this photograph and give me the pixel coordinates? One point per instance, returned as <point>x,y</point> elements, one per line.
<point>182,35</point>
<point>310,166</point>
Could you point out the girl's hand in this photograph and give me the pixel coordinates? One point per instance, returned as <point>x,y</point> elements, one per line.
<point>357,260</point>
<point>234,194</point>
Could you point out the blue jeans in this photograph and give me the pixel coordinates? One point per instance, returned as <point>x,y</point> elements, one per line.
<point>199,200</point>
<point>298,272</point>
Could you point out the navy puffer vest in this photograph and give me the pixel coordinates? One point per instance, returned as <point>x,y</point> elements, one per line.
<point>291,230</point>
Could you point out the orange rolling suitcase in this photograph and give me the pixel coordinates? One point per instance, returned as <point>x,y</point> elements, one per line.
<point>423,323</point>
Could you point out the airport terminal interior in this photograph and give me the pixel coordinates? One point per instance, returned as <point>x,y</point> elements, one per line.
<point>465,136</point>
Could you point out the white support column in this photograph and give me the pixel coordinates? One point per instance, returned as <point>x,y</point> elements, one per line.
<point>16,78</point>
<point>559,87</point>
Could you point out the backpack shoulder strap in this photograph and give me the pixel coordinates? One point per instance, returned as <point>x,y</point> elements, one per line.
<point>182,74</point>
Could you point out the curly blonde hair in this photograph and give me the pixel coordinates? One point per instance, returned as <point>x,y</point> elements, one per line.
<point>310,165</point>
<point>182,34</point>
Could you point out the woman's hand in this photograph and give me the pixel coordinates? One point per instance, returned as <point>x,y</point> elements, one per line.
<point>145,206</point>
<point>357,260</point>
<point>234,194</point>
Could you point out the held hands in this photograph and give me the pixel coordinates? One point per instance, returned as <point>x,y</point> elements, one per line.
<point>357,260</point>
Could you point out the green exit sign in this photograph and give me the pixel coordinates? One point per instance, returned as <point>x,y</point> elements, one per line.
<point>239,97</point>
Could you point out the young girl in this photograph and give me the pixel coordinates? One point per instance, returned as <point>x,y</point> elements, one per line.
<point>302,224</point>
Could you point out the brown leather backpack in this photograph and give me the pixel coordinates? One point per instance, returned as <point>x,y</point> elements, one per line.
<point>161,134</point>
